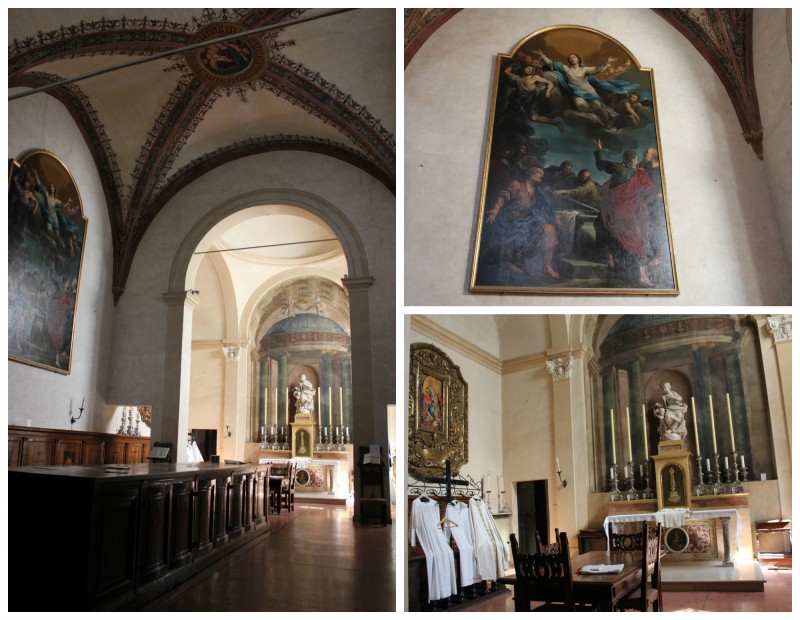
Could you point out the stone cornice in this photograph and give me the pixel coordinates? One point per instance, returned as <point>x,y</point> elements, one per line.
<point>425,326</point>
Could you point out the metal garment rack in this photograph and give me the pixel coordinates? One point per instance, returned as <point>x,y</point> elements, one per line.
<point>444,487</point>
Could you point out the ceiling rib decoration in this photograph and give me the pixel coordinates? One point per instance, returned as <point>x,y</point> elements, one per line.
<point>724,37</point>
<point>272,102</point>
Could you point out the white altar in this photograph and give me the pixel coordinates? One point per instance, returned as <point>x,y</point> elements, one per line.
<point>677,517</point>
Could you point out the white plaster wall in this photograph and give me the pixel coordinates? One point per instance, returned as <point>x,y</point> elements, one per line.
<point>208,320</point>
<point>43,397</point>
<point>772,65</point>
<point>485,406</point>
<point>137,372</point>
<point>207,400</point>
<point>727,241</point>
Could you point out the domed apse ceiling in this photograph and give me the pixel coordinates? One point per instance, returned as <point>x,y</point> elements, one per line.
<point>315,80</point>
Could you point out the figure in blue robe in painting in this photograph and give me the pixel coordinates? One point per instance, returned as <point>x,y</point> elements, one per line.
<point>521,226</point>
<point>585,90</point>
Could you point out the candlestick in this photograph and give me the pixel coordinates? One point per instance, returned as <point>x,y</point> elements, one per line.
<point>701,488</point>
<point>718,486</point>
<point>713,428</point>
<point>615,494</point>
<point>630,481</point>
<point>644,432</point>
<point>630,432</point>
<point>730,422</point>
<point>696,436</point>
<point>647,493</point>
<point>613,441</point>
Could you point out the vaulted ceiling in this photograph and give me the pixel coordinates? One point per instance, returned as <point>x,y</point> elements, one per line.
<point>166,95</point>
<point>724,37</point>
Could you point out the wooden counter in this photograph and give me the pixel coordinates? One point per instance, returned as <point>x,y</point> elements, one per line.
<point>89,539</point>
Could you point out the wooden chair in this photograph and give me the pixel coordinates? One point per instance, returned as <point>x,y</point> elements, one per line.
<point>631,541</point>
<point>647,596</point>
<point>287,488</point>
<point>276,488</point>
<point>549,548</point>
<point>546,577</point>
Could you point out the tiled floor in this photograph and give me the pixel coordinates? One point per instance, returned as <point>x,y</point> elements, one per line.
<point>314,559</point>
<point>777,596</point>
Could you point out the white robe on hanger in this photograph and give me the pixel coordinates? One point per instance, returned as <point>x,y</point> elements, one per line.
<point>458,513</point>
<point>438,554</point>
<point>490,550</point>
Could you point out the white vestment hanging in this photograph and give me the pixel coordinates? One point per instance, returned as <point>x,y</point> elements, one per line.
<point>458,513</point>
<point>438,554</point>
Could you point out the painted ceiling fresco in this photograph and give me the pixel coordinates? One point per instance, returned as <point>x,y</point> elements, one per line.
<point>313,80</point>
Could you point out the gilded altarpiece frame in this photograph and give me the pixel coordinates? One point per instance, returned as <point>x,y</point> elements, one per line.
<point>437,413</point>
<point>573,199</point>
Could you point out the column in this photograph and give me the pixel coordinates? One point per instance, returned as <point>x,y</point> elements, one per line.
<point>347,392</point>
<point>735,383</point>
<point>283,363</point>
<point>369,418</point>
<point>702,385</point>
<point>726,541</point>
<point>263,393</point>
<point>326,385</point>
<point>635,406</point>
<point>174,419</point>
<point>609,403</point>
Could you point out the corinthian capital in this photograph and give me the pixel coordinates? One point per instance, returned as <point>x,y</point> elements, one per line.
<point>560,369</point>
<point>780,326</point>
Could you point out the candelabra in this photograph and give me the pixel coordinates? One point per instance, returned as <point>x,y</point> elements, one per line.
<point>502,507</point>
<point>121,430</point>
<point>136,430</point>
<point>130,422</point>
<point>701,488</point>
<point>347,434</point>
<point>647,492</point>
<point>736,487</point>
<point>631,495</point>
<point>719,488</point>
<point>616,496</point>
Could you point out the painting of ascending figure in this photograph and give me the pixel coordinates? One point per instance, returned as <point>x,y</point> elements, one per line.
<point>573,198</point>
<point>46,233</point>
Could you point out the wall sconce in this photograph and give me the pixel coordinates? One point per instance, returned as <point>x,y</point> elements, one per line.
<point>558,471</point>
<point>192,291</point>
<point>71,419</point>
<point>227,427</point>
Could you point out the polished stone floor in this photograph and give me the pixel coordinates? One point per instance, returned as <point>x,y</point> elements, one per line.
<point>314,559</point>
<point>777,596</point>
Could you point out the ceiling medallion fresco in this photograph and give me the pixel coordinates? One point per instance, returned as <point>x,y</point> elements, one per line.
<point>227,63</point>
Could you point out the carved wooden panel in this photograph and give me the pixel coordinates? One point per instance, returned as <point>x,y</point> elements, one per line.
<point>203,534</point>
<point>249,509</point>
<point>237,506</point>
<point>93,453</point>
<point>116,552</point>
<point>260,493</point>
<point>14,451</point>
<point>181,521</point>
<point>221,509</point>
<point>39,451</point>
<point>68,452</point>
<point>154,531</point>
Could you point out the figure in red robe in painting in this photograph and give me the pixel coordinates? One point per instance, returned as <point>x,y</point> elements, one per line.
<point>625,212</point>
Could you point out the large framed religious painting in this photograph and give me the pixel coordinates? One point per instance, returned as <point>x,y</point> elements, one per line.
<point>437,421</point>
<point>46,233</point>
<point>573,198</point>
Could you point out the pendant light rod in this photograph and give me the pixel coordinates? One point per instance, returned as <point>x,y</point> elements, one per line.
<point>274,245</point>
<point>180,50</point>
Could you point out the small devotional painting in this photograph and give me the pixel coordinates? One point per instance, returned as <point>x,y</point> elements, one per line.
<point>46,233</point>
<point>573,200</point>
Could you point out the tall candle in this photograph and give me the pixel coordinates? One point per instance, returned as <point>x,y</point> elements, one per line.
<point>630,432</point>
<point>613,442</point>
<point>341,407</point>
<point>644,432</point>
<point>330,407</point>
<point>558,465</point>
<point>319,402</point>
<point>286,412</point>
<point>276,406</point>
<point>713,429</point>
<point>730,422</point>
<point>265,404</point>
<point>696,436</point>
<point>502,484</point>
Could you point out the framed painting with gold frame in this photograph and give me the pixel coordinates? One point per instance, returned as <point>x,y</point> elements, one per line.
<point>573,198</point>
<point>437,420</point>
<point>46,234</point>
